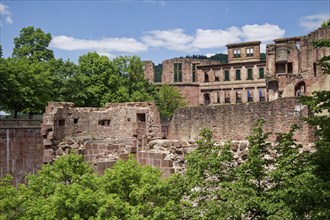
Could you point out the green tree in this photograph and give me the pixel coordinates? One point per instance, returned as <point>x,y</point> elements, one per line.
<point>132,191</point>
<point>65,82</point>
<point>9,199</point>
<point>223,58</point>
<point>32,44</point>
<point>131,86</point>
<point>284,187</point>
<point>26,86</point>
<point>168,99</point>
<point>95,72</point>
<point>209,169</point>
<point>70,189</point>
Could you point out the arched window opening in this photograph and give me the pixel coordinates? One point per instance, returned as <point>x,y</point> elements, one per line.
<point>300,89</point>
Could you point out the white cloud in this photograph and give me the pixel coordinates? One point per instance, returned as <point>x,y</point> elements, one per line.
<point>216,38</point>
<point>128,45</point>
<point>4,11</point>
<point>209,54</point>
<point>312,22</point>
<point>264,33</point>
<point>109,55</point>
<point>174,39</point>
<point>9,20</point>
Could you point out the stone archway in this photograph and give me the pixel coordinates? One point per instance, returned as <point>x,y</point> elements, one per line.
<point>300,89</point>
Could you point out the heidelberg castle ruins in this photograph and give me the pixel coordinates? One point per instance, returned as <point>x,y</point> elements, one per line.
<point>291,69</point>
<point>238,92</point>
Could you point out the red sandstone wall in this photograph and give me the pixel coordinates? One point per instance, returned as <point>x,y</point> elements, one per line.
<point>235,122</point>
<point>190,93</point>
<point>21,150</point>
<point>149,71</point>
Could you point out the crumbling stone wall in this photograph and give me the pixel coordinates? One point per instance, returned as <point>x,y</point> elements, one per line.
<point>168,69</point>
<point>102,135</point>
<point>235,122</point>
<point>293,65</point>
<point>21,148</point>
<point>149,71</point>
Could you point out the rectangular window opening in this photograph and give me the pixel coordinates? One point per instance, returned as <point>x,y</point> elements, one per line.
<point>177,72</point>
<point>238,96</point>
<point>158,73</point>
<point>206,77</point>
<point>141,117</point>
<point>75,120</point>
<point>104,122</point>
<point>194,72</point>
<point>227,97</point>
<point>261,96</point>
<point>227,75</point>
<point>289,67</point>
<point>249,52</point>
<point>280,68</point>
<point>250,77</point>
<point>314,69</point>
<point>237,53</point>
<point>261,73</point>
<point>238,74</point>
<point>250,96</point>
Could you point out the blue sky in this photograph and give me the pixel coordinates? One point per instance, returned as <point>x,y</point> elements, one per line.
<point>157,30</point>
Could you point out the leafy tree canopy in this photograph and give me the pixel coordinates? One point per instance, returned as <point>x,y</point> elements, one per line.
<point>33,44</point>
<point>168,99</point>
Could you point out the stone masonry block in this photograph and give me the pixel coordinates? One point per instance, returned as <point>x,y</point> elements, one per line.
<point>166,163</point>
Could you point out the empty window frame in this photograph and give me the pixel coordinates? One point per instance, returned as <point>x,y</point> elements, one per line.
<point>237,53</point>
<point>104,122</point>
<point>158,73</point>
<point>218,97</point>
<point>314,69</point>
<point>261,73</point>
<point>141,117</point>
<point>216,76</point>
<point>238,96</point>
<point>289,67</point>
<point>249,74</point>
<point>227,96</point>
<point>75,120</point>
<point>249,52</point>
<point>177,72</point>
<point>280,68</point>
<point>193,70</point>
<point>227,75</point>
<point>261,95</point>
<point>238,74</point>
<point>300,89</point>
<point>207,99</point>
<point>250,95</point>
<point>206,77</point>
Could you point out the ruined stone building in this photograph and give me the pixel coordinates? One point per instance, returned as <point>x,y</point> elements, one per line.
<point>204,82</point>
<point>241,80</point>
<point>293,65</point>
<point>182,73</point>
<point>291,69</point>
<point>226,98</point>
